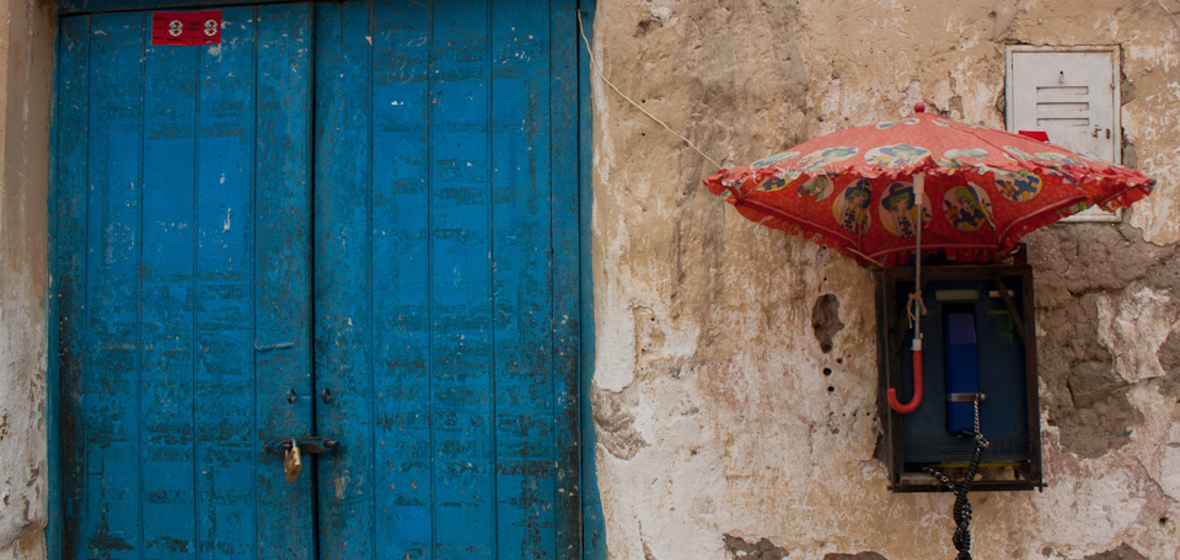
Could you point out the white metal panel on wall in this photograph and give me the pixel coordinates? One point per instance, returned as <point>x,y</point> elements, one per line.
<point>1071,94</point>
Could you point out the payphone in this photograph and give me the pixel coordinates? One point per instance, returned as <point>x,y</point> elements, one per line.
<point>979,362</point>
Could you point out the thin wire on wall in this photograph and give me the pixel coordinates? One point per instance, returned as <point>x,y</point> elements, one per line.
<point>598,70</point>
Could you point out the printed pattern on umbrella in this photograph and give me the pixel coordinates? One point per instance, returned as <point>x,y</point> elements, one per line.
<point>985,189</point>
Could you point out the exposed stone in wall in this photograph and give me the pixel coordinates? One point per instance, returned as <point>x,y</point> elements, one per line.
<point>1169,358</point>
<point>763,549</point>
<point>1107,280</point>
<point>858,556</point>
<point>1123,552</point>
<point>615,424</point>
<point>753,394</point>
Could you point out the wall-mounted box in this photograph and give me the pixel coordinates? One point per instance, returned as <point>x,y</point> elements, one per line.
<point>1072,94</point>
<point>979,327</point>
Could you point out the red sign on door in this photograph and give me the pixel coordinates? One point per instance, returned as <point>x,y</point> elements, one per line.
<point>186,28</point>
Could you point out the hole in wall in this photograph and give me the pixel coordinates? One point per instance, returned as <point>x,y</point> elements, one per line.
<point>825,320</point>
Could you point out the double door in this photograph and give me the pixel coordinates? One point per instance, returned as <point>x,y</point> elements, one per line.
<point>352,221</point>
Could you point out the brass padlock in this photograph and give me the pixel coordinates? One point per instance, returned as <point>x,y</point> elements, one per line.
<point>292,462</point>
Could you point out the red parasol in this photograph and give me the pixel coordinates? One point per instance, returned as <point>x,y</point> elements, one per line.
<point>853,190</point>
<point>979,190</point>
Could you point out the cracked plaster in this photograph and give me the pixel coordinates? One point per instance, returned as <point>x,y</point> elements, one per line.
<point>707,352</point>
<point>709,372</point>
<point>25,56</point>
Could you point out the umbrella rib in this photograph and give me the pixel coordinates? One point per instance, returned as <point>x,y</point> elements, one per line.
<point>972,132</point>
<point>865,257</point>
<point>931,247</point>
<point>775,212</point>
<point>1064,204</point>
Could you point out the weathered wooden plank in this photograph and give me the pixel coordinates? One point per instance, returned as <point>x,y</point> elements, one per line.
<point>472,382</point>
<point>401,289</point>
<point>169,175</point>
<point>461,378</point>
<point>343,281</point>
<point>112,513</point>
<point>566,319</point>
<point>283,279</point>
<point>224,326</point>
<point>592,524</point>
<point>71,179</point>
<point>521,223</point>
<point>68,7</point>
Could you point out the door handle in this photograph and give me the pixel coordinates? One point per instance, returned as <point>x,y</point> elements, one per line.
<point>306,445</point>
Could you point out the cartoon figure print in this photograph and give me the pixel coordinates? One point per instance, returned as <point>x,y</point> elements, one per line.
<point>851,209</point>
<point>733,179</point>
<point>778,181</point>
<point>1017,186</point>
<point>891,124</point>
<point>967,207</point>
<point>1065,178</point>
<point>1010,151</point>
<point>899,211</point>
<point>772,183</point>
<point>771,160</point>
<point>815,161</point>
<point>958,158</point>
<point>816,188</point>
<point>1060,158</point>
<point>1072,209</point>
<point>896,155</point>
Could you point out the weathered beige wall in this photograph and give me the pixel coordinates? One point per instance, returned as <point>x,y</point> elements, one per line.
<point>718,434</point>
<point>26,51</point>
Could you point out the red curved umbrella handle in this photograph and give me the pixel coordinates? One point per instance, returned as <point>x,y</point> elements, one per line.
<point>911,406</point>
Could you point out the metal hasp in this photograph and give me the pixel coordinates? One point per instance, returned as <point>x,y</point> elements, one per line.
<point>979,338</point>
<point>306,445</point>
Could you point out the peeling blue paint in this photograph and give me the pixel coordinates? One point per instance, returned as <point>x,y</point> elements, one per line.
<point>449,301</point>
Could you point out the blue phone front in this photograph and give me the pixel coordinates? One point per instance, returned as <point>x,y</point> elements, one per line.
<point>962,371</point>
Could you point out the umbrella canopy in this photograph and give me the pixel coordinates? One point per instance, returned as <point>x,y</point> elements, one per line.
<point>853,190</point>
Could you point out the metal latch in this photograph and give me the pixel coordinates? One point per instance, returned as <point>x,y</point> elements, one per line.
<point>306,445</point>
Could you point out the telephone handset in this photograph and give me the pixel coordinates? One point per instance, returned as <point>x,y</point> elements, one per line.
<point>962,369</point>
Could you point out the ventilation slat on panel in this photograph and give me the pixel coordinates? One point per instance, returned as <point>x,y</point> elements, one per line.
<point>1063,107</point>
<point>1074,91</point>
<point>1055,122</point>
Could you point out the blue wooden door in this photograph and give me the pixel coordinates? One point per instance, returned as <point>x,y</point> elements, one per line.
<point>355,220</point>
<point>183,254</point>
<point>446,278</point>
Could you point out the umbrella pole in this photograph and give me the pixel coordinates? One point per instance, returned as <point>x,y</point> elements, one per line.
<point>919,196</point>
<point>915,307</point>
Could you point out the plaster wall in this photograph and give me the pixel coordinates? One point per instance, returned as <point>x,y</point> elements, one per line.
<point>724,428</point>
<point>26,50</point>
